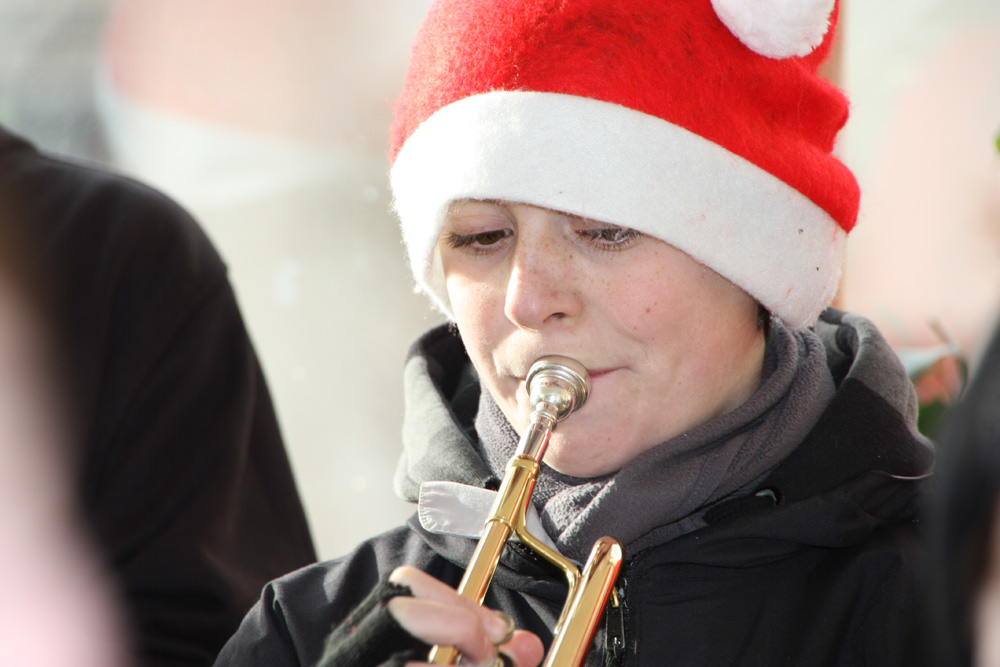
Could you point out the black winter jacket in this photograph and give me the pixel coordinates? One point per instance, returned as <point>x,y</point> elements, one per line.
<point>816,566</point>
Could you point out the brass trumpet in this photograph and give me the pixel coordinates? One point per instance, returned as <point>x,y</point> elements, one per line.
<point>557,386</point>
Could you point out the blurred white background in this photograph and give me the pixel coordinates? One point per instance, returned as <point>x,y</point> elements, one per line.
<point>268,120</point>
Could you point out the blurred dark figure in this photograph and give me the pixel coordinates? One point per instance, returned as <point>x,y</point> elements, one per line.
<point>965,520</point>
<point>177,462</point>
<point>56,582</point>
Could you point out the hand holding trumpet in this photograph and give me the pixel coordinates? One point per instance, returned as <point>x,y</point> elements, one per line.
<point>437,614</point>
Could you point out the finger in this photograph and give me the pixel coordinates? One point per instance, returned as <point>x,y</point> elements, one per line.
<point>424,585</point>
<point>445,624</point>
<point>525,648</point>
<point>498,627</point>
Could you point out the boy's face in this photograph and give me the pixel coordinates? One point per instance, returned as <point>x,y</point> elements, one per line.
<point>668,342</point>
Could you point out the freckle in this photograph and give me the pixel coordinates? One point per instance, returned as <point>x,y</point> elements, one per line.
<point>648,309</point>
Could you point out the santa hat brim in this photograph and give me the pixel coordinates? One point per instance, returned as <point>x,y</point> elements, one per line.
<point>617,165</point>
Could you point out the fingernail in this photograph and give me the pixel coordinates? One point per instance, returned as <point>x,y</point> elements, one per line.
<point>501,628</point>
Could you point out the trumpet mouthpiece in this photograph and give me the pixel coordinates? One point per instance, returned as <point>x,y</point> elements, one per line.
<point>560,383</point>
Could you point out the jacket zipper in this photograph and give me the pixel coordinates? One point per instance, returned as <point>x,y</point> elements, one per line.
<point>614,636</point>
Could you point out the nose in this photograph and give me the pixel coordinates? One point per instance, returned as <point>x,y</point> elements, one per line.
<point>543,289</point>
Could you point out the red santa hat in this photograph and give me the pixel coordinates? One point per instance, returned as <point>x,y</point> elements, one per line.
<point>700,122</point>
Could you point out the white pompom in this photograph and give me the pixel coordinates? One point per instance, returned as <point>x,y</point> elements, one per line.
<point>777,28</point>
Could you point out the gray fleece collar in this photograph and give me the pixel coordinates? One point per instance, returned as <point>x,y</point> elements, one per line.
<point>675,480</point>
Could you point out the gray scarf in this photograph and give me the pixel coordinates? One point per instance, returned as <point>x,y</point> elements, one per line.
<point>675,481</point>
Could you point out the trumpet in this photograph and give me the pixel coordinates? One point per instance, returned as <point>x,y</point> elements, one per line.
<point>557,386</point>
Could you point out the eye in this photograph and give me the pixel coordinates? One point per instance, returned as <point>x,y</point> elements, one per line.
<point>611,237</point>
<point>479,241</point>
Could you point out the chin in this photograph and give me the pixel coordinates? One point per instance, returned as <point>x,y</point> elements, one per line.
<point>580,471</point>
<point>573,465</point>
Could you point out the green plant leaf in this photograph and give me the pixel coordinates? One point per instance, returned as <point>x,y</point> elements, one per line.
<point>930,415</point>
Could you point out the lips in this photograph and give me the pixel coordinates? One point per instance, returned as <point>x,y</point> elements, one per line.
<point>593,374</point>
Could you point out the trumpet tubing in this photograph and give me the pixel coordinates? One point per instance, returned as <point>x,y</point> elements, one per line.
<point>557,386</point>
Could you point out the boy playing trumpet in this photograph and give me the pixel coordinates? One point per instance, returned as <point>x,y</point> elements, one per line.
<point>646,186</point>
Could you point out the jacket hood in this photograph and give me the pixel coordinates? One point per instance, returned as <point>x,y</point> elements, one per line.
<point>871,424</point>
<point>441,394</point>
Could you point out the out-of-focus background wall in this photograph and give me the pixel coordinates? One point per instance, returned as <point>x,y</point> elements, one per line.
<point>924,78</point>
<point>268,121</point>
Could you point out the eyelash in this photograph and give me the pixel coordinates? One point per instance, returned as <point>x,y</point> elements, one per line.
<point>480,242</point>
<point>610,239</point>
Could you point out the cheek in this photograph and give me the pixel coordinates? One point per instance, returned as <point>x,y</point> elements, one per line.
<point>647,305</point>
<point>653,295</point>
<point>466,298</point>
<point>475,307</point>
<point>687,317</point>
<point>468,293</point>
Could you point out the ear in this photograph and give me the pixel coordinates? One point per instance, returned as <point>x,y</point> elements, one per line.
<point>777,28</point>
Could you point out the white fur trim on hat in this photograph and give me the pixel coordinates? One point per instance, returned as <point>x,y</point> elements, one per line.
<point>610,163</point>
<point>777,28</point>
